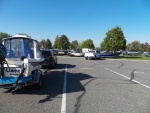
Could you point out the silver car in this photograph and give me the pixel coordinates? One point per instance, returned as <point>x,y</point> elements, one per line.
<point>133,53</point>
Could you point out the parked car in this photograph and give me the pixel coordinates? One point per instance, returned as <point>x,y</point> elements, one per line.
<point>124,52</point>
<point>77,53</point>
<point>62,52</point>
<point>50,58</point>
<point>147,54</point>
<point>92,54</point>
<point>133,53</point>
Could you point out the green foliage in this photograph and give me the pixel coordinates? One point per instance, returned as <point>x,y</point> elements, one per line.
<point>114,40</point>
<point>146,47</point>
<point>80,46</point>
<point>56,42</point>
<point>71,46</point>
<point>64,42</point>
<point>97,48</point>
<point>88,44</point>
<point>45,44</point>
<point>48,44</point>
<point>3,35</point>
<point>61,42</point>
<point>74,44</point>
<point>136,45</point>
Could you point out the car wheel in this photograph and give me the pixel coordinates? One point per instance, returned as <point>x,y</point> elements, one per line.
<point>86,58</point>
<point>53,65</point>
<point>56,64</point>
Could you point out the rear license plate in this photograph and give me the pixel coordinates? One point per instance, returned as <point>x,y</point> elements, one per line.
<point>13,71</point>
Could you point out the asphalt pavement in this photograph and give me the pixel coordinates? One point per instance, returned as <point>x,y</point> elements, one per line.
<point>85,86</point>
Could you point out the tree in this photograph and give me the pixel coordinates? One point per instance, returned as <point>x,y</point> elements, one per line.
<point>98,48</point>
<point>135,45</point>
<point>129,46</point>
<point>146,47</point>
<point>80,45</point>
<point>61,42</point>
<point>114,40</point>
<point>56,42</point>
<point>74,44</point>
<point>42,43</point>
<point>3,35</point>
<point>48,44</point>
<point>88,44</point>
<point>45,43</point>
<point>141,47</point>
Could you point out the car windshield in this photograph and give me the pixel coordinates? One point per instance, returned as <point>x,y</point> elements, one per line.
<point>46,53</point>
<point>92,51</point>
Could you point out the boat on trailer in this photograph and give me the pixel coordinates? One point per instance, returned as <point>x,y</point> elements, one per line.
<point>20,62</point>
<point>108,54</point>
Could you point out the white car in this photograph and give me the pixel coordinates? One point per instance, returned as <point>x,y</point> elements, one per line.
<point>133,53</point>
<point>147,54</point>
<point>76,53</point>
<point>92,54</point>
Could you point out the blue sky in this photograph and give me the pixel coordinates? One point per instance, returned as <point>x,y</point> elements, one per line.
<point>77,19</point>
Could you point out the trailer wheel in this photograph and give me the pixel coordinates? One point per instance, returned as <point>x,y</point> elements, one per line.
<point>39,84</point>
<point>53,65</point>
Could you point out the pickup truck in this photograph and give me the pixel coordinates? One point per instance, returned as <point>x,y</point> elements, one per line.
<point>92,54</point>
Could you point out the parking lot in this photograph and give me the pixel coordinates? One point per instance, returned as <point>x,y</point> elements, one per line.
<point>85,86</point>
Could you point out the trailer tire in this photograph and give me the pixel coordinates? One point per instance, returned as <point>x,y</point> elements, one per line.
<point>53,65</point>
<point>39,84</point>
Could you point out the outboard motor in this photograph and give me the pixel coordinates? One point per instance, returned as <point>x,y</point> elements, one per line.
<point>3,53</point>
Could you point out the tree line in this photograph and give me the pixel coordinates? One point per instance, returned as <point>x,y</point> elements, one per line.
<point>114,41</point>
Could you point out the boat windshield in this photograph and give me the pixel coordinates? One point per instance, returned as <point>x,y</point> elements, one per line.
<point>16,48</point>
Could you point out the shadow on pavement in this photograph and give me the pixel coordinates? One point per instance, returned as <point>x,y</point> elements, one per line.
<point>52,84</point>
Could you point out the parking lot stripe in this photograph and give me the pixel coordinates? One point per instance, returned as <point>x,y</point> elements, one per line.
<point>137,72</point>
<point>63,105</point>
<point>128,78</point>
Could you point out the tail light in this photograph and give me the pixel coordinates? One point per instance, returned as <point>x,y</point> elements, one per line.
<point>50,59</point>
<point>49,56</point>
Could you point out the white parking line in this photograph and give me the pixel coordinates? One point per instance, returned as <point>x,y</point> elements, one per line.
<point>137,72</point>
<point>63,105</point>
<point>128,78</point>
<point>146,62</point>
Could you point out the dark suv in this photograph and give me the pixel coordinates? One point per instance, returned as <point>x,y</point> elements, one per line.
<point>50,58</point>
